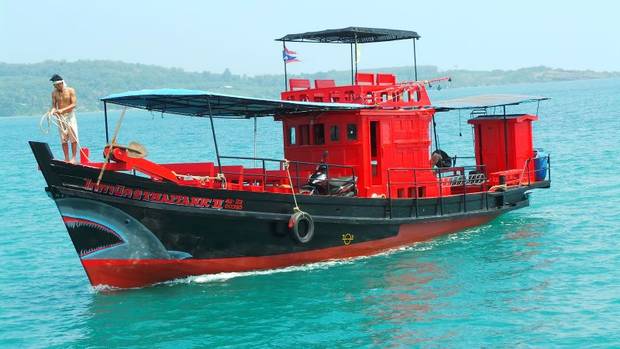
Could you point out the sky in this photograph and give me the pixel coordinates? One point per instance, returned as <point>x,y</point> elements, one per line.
<point>238,35</point>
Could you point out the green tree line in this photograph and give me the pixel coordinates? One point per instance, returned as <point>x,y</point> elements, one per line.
<point>25,89</point>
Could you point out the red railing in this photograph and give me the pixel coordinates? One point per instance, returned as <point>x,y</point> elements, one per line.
<point>383,91</point>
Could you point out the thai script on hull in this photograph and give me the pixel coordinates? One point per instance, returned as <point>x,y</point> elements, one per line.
<point>164,198</point>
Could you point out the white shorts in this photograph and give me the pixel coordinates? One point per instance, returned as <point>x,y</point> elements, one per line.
<point>68,128</point>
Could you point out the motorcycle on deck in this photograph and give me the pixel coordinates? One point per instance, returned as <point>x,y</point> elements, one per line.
<point>320,184</point>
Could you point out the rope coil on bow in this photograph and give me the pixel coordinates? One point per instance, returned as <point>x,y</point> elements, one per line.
<point>48,119</point>
<point>203,179</point>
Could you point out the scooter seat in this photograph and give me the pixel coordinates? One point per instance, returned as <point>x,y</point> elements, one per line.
<point>338,182</point>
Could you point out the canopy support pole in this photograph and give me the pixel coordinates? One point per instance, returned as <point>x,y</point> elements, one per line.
<point>255,118</point>
<point>284,61</point>
<point>105,116</point>
<point>352,75</point>
<point>435,133</point>
<point>415,63</point>
<point>505,139</point>
<point>217,151</point>
<point>356,58</point>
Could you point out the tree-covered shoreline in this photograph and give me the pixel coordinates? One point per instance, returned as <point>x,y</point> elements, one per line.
<point>25,89</point>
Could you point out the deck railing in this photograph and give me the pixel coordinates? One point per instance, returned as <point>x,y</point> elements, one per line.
<point>462,178</point>
<point>463,181</point>
<point>272,172</point>
<point>526,174</point>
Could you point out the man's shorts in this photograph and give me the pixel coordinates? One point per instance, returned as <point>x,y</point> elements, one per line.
<point>68,128</point>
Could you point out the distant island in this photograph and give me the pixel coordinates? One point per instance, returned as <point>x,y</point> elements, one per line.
<point>26,89</point>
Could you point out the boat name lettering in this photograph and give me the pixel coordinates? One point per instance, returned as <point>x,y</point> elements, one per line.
<point>164,198</point>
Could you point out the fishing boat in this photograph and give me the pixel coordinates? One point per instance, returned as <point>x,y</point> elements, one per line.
<point>362,173</point>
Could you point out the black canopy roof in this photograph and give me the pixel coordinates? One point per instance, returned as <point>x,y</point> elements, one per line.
<point>351,35</point>
<point>202,103</point>
<point>485,101</point>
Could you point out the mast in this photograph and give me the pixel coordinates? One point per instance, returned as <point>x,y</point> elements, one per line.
<point>284,61</point>
<point>415,63</point>
<point>352,76</point>
<point>356,58</point>
<point>105,114</point>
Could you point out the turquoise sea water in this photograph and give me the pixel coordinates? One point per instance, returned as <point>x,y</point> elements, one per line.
<point>543,276</point>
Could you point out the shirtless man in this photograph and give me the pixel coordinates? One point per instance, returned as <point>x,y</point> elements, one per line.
<point>63,105</point>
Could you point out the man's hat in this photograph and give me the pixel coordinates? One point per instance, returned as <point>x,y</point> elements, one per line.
<point>56,78</point>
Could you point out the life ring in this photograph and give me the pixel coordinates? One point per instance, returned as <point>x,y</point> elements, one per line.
<point>301,226</point>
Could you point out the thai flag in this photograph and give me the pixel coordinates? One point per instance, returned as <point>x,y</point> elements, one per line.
<point>289,56</point>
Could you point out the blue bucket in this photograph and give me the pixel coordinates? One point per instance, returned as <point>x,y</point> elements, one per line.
<point>541,165</point>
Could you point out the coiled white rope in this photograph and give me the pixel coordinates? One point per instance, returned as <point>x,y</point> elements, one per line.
<point>48,119</point>
<point>220,177</point>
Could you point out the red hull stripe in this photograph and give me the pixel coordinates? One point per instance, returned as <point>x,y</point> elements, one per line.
<point>126,273</point>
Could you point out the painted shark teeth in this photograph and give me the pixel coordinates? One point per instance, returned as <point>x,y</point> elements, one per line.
<point>92,250</point>
<point>89,237</point>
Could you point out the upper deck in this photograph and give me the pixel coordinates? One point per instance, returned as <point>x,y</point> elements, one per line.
<point>380,89</point>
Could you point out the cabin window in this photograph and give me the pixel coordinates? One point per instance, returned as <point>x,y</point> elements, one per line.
<point>352,132</point>
<point>304,135</point>
<point>292,135</point>
<point>319,134</point>
<point>411,192</point>
<point>334,133</point>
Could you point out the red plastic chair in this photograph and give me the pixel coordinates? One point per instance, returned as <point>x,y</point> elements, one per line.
<point>324,83</point>
<point>366,79</point>
<point>386,79</point>
<point>299,84</point>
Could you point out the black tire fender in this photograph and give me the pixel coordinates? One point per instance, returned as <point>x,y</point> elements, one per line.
<point>297,223</point>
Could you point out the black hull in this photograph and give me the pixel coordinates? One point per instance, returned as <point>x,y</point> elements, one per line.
<point>131,218</point>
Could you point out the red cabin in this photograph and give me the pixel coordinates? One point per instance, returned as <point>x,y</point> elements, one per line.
<point>372,141</point>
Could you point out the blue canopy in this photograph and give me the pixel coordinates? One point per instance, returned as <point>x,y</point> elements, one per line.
<point>204,103</point>
<point>486,101</point>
